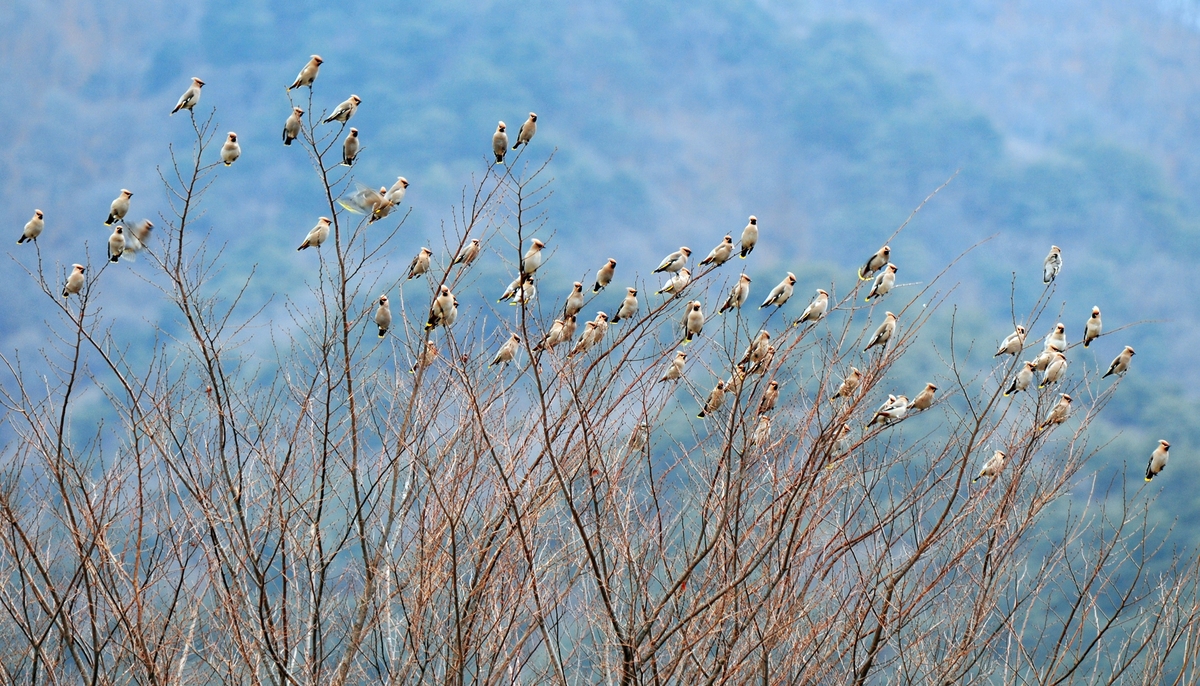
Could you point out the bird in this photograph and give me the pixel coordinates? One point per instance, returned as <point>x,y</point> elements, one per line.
<point>605,275</point>
<point>74,281</point>
<point>1023,379</point>
<point>500,143</point>
<point>763,364</point>
<point>693,323</point>
<point>350,147</point>
<point>874,263</point>
<point>769,398</point>
<point>230,151</point>
<point>33,227</point>
<point>136,237</point>
<point>924,399</point>
<point>639,437</point>
<point>762,432</point>
<point>1043,360</point>
<point>675,261</point>
<point>816,309</point>
<point>317,236</point>
<point>883,283</point>
<point>1055,370</point>
<point>440,311</point>
<point>1058,413</point>
<point>395,194</point>
<point>738,295</point>
<point>116,244</point>
<point>513,287</point>
<point>586,340</point>
<point>1092,328</point>
<point>507,352</point>
<point>756,350</point>
<point>552,338</point>
<point>720,254</point>
<point>736,377</point>
<point>369,201</point>
<point>119,207</point>
<point>1014,344</point>
<point>190,97</point>
<point>675,369</point>
<point>533,257</point>
<point>716,398</point>
<point>575,301</point>
<point>1158,460</point>
<point>780,294</point>
<point>629,306</point>
<point>528,129</point>
<point>344,111</point>
<point>848,386</point>
<point>527,293</point>
<point>468,254</point>
<point>1057,340</point>
<point>893,410</point>
<point>1120,365</point>
<point>677,283</point>
<point>291,127</point>
<point>601,322</point>
<point>993,466</point>
<point>308,74</point>
<point>884,333</point>
<point>427,357</point>
<point>1052,264</point>
<point>749,237</point>
<point>420,264</point>
<point>383,316</point>
<point>841,445</point>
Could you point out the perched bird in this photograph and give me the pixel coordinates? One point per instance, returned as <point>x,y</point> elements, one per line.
<point>527,293</point>
<point>736,376</point>
<point>1023,379</point>
<point>527,130</point>
<point>1057,340</point>
<point>136,237</point>
<point>552,337</point>
<point>507,352</point>
<point>1058,413</point>
<point>762,432</point>
<point>605,275</point>
<point>574,301</point>
<point>383,316</point>
<point>769,398</point>
<point>629,306</point>
<point>230,151</point>
<point>884,333</point>
<point>675,369</point>
<point>395,194</point>
<point>816,309</point>
<point>119,208</point>
<point>780,294</point>
<point>756,350</point>
<point>1052,265</point>
<point>639,437</point>
<point>693,323</point>
<point>883,283</point>
<point>924,399</point>
<point>420,264</point>
<point>74,281</point>
<point>1055,370</point>
<point>1014,344</point>
<point>451,314</point>
<point>468,254</point>
<point>993,466</point>
<point>440,310</point>
<point>1158,460</point>
<point>716,398</point>
<point>586,340</point>
<point>344,111</point>
<point>892,411</point>
<point>33,227</point>
<point>308,74</point>
<point>568,330</point>
<point>1120,365</point>
<point>116,244</point>
<point>513,288</point>
<point>533,257</point>
<point>1093,327</point>
<point>426,358</point>
<point>677,283</point>
<point>601,322</point>
<point>749,237</point>
<point>720,254</point>
<point>500,143</point>
<point>1043,360</point>
<point>764,364</point>
<point>317,236</point>
<point>369,201</point>
<point>841,445</point>
<point>737,296</point>
<point>874,263</point>
<point>190,97</point>
<point>350,147</point>
<point>675,261</point>
<point>291,127</point>
<point>849,385</point>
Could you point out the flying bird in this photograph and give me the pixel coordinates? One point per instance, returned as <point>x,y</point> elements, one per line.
<point>369,201</point>
<point>781,293</point>
<point>605,275</point>
<point>1120,365</point>
<point>500,143</point>
<point>136,237</point>
<point>383,316</point>
<point>1052,264</point>
<point>119,208</point>
<point>1093,327</point>
<point>526,133</point>
<point>308,74</point>
<point>344,111</point>
<point>749,237</point>
<point>720,254</point>
<point>317,236</point>
<point>230,151</point>
<point>874,263</point>
<point>33,227</point>
<point>350,147</point>
<point>1158,460</point>
<point>190,97</point>
<point>738,295</point>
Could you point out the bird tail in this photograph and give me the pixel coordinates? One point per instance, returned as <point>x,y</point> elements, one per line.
<point>382,333</point>
<point>701,415</point>
<point>21,239</point>
<point>286,140</point>
<point>302,246</point>
<point>228,163</point>
<point>975,479</point>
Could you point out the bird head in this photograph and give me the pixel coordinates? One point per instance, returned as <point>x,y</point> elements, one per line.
<point>404,182</point>
<point>37,213</point>
<point>538,244</point>
<point>1095,312</point>
<point>753,219</point>
<point>500,126</point>
<point>383,300</point>
<point>1066,397</point>
<point>885,251</point>
<point>1129,349</point>
<point>728,239</point>
<point>317,59</point>
<point>685,271</point>
<point>892,268</point>
<point>578,286</point>
<point>324,220</point>
<point>426,251</point>
<point>78,268</point>
<point>353,132</point>
<point>127,194</point>
<point>1059,328</point>
<point>532,116</point>
<point>1164,444</point>
<point>297,111</point>
<point>890,315</point>
<point>1054,249</point>
<point>601,316</point>
<point>746,278</point>
<point>444,290</point>
<point>930,387</point>
<point>357,100</point>
<point>233,137</point>
<point>791,278</point>
<point>686,251</point>
<point>631,290</point>
<point>1020,329</point>
<point>197,81</point>
<point>822,292</point>
<point>612,262</point>
<point>118,230</point>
